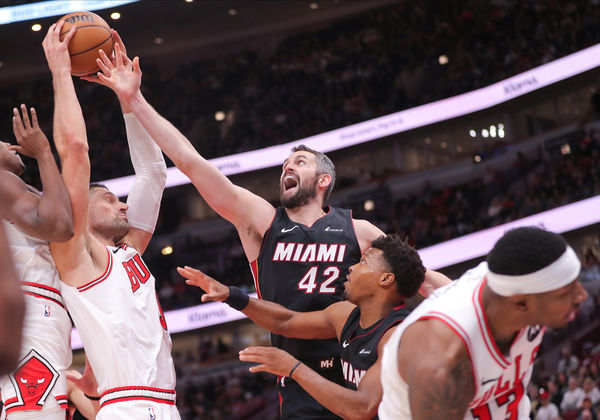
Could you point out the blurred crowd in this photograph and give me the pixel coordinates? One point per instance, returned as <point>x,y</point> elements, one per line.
<point>355,69</point>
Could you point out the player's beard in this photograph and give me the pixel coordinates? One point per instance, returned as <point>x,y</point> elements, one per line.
<point>305,192</point>
<point>116,229</point>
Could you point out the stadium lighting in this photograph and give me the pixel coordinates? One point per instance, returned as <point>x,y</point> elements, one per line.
<point>443,59</point>
<point>477,158</point>
<point>493,131</point>
<point>314,6</point>
<point>115,15</point>
<point>168,250</point>
<point>219,115</point>
<point>36,27</point>
<point>485,133</point>
<point>232,12</point>
<point>427,140</point>
<point>369,205</point>
<point>472,133</point>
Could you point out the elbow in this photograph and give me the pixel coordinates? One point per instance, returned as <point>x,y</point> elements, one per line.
<point>65,230</point>
<point>76,146</point>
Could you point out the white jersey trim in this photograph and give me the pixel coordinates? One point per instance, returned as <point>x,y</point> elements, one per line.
<point>129,393</point>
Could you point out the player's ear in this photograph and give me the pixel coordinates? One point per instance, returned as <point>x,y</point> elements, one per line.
<point>387,279</point>
<point>324,181</point>
<point>521,303</point>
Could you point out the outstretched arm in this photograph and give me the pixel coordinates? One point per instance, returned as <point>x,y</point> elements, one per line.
<point>71,143</point>
<point>47,217</point>
<point>327,323</point>
<point>345,402</point>
<point>147,160</point>
<point>435,365</point>
<point>12,309</point>
<point>250,213</point>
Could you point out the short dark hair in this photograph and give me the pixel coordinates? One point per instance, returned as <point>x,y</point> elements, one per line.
<point>324,166</point>
<point>97,185</point>
<point>525,250</point>
<point>403,261</point>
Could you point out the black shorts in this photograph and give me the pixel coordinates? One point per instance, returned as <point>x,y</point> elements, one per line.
<point>297,404</point>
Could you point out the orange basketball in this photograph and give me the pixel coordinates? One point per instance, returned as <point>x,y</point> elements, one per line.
<point>93,34</point>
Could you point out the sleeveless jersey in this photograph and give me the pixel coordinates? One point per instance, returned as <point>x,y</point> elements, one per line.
<point>359,346</point>
<point>303,268</point>
<point>38,383</point>
<point>123,330</point>
<point>500,381</point>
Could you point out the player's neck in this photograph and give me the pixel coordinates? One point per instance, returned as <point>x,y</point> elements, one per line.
<point>502,320</point>
<point>372,311</point>
<point>104,240</point>
<point>307,214</point>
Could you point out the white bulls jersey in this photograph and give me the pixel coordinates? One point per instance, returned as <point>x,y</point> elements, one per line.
<point>124,332</point>
<point>39,382</point>
<point>500,381</point>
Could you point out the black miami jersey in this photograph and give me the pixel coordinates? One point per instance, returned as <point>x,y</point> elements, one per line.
<point>359,346</point>
<point>303,268</point>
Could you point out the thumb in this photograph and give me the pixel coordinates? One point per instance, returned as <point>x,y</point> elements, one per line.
<point>73,376</point>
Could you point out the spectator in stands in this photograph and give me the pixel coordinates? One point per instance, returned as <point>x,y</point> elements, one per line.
<point>547,410</point>
<point>586,412</point>
<point>591,392</point>
<point>572,396</point>
<point>556,394</point>
<point>568,363</point>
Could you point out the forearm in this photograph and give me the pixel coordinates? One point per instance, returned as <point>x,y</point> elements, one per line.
<point>54,208</point>
<point>344,402</point>
<point>215,188</point>
<point>69,125</point>
<point>271,316</point>
<point>150,176</point>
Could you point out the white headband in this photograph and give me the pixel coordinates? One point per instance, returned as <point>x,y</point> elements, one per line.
<point>552,277</point>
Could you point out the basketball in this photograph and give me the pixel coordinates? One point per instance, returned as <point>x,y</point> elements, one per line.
<point>93,34</point>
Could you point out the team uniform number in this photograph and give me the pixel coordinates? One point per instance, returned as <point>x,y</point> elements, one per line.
<point>308,283</point>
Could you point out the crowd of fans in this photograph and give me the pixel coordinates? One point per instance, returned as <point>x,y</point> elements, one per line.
<point>355,69</point>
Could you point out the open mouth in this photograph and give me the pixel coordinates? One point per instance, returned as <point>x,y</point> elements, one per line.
<point>289,182</point>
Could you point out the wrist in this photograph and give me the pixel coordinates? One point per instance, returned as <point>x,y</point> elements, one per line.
<point>294,368</point>
<point>237,299</point>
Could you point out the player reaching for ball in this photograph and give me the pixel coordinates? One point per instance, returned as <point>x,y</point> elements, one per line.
<point>106,285</point>
<point>37,387</point>
<point>299,252</point>
<point>376,289</point>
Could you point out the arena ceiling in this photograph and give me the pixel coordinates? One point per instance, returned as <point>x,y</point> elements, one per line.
<point>180,25</point>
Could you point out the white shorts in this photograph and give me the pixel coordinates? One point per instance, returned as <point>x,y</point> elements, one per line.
<point>50,411</point>
<point>138,410</point>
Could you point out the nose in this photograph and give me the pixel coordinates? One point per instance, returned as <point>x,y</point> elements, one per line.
<point>124,206</point>
<point>352,267</point>
<point>580,293</point>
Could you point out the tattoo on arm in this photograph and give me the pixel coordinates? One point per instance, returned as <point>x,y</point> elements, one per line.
<point>444,394</point>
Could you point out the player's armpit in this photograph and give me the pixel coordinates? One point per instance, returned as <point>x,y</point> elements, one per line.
<point>434,363</point>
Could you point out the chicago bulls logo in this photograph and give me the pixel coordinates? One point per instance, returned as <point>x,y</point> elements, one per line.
<point>33,381</point>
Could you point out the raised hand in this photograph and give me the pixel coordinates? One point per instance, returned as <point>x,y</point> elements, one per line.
<point>215,291</point>
<point>31,140</point>
<point>269,359</point>
<point>123,76</point>
<point>57,52</point>
<point>126,60</point>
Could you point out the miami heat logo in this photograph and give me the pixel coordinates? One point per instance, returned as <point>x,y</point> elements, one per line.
<point>33,381</point>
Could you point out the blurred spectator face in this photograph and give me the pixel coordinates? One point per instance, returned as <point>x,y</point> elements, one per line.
<point>588,384</point>
<point>586,404</point>
<point>586,415</point>
<point>298,182</point>
<point>573,383</point>
<point>552,388</point>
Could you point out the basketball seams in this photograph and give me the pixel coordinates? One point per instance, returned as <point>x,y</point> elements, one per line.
<point>92,48</point>
<point>85,26</point>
